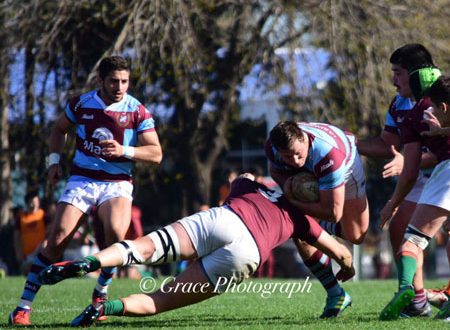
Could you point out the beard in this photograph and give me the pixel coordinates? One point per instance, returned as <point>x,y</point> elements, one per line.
<point>113,97</point>
<point>109,96</point>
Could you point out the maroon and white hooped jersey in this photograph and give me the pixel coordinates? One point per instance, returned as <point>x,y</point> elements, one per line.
<point>95,121</point>
<point>269,217</point>
<point>412,126</point>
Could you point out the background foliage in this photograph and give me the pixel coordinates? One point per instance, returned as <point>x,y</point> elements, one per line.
<point>189,58</point>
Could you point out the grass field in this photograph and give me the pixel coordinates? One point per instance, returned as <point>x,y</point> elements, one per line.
<point>56,306</point>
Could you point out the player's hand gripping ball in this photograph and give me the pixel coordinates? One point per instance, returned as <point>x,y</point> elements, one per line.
<point>305,187</point>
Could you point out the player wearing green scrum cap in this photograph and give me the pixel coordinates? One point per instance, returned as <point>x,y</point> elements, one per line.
<point>433,207</point>
<point>420,79</point>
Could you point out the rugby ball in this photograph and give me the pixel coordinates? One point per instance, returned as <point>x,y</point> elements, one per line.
<point>305,187</point>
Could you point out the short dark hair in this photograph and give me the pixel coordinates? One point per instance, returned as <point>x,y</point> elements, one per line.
<point>112,63</point>
<point>411,56</point>
<point>285,133</point>
<point>30,195</point>
<point>440,91</point>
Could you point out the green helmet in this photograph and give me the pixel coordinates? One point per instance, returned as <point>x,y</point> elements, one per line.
<point>421,79</point>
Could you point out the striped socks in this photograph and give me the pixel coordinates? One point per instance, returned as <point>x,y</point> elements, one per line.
<point>32,284</point>
<point>105,279</point>
<point>320,265</point>
<point>331,228</point>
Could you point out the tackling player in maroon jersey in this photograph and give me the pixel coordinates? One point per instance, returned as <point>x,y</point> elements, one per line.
<point>228,243</point>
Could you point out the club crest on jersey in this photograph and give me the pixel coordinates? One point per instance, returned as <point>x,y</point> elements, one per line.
<point>102,133</point>
<point>123,119</point>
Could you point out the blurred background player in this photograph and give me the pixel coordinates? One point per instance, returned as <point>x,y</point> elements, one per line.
<point>433,207</point>
<point>30,231</point>
<point>225,187</point>
<point>109,126</point>
<point>387,144</point>
<point>228,243</point>
<point>330,154</point>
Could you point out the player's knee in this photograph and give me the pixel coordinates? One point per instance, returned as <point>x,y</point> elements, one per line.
<point>166,244</point>
<point>356,238</point>
<point>145,246</point>
<point>416,237</point>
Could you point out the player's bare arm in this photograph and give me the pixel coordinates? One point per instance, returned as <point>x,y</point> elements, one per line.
<point>379,146</point>
<point>329,207</point>
<point>148,151</point>
<point>406,181</point>
<point>57,141</point>
<point>395,166</point>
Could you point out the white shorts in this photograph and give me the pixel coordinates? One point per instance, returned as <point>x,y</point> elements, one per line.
<point>416,191</point>
<point>86,194</point>
<point>355,180</point>
<point>437,189</point>
<point>227,250</point>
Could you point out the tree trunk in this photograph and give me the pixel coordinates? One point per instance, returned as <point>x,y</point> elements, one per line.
<point>5,166</point>
<point>31,138</point>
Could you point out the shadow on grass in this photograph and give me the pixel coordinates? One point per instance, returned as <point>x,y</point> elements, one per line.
<point>213,322</point>
<point>219,321</point>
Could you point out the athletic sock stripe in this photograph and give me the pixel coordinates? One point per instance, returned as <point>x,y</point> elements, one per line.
<point>328,226</point>
<point>321,273</point>
<point>36,268</point>
<point>33,278</point>
<point>315,268</point>
<point>332,229</point>
<point>43,260</point>
<point>32,283</point>
<point>315,258</point>
<point>330,284</point>
<point>320,266</point>
<point>107,276</point>
<point>325,260</point>
<point>31,286</point>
